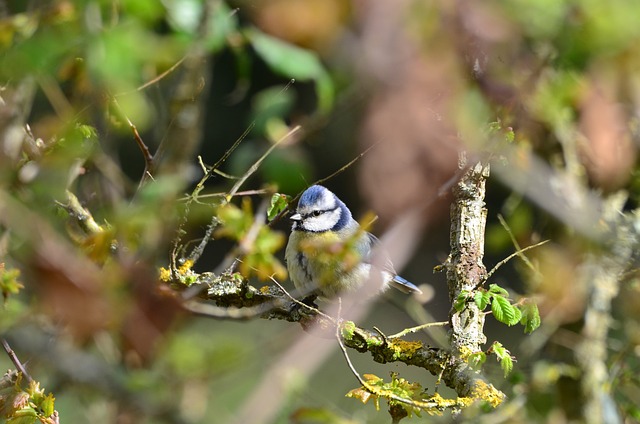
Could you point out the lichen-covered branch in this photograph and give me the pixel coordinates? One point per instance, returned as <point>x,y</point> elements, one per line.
<point>601,274</point>
<point>81,216</point>
<point>464,266</point>
<point>455,373</point>
<point>235,299</point>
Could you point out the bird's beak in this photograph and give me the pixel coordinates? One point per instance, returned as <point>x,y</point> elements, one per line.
<point>296,217</point>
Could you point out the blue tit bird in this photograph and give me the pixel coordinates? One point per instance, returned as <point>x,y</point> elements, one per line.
<point>322,224</point>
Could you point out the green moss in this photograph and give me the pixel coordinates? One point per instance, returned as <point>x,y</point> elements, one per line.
<point>348,330</point>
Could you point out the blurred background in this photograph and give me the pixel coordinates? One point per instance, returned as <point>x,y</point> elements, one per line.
<point>547,91</point>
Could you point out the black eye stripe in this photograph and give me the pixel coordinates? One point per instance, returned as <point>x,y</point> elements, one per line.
<point>317,212</point>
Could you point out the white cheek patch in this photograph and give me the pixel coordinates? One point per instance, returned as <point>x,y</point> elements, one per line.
<point>324,222</point>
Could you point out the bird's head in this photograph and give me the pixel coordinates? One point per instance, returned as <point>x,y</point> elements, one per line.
<point>320,210</point>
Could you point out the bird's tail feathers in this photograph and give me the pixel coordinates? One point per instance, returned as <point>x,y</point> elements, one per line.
<point>404,285</point>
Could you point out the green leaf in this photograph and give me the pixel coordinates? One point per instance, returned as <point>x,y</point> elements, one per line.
<point>47,405</point>
<point>509,135</point>
<point>496,127</point>
<point>271,104</point>
<point>223,24</point>
<point>235,221</point>
<point>87,131</point>
<point>477,359</point>
<point>148,11</point>
<point>461,300</point>
<point>293,62</point>
<point>482,299</point>
<point>278,203</point>
<point>26,415</point>
<point>518,314</point>
<point>9,283</point>
<point>506,363</point>
<point>496,289</point>
<point>268,241</point>
<point>504,356</point>
<point>186,15</point>
<point>530,317</point>
<point>324,415</point>
<point>504,311</point>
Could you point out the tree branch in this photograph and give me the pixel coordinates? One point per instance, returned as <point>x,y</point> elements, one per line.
<point>600,275</point>
<point>465,270</point>
<point>236,299</point>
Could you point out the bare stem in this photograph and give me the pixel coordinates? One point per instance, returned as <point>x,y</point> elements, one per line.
<point>14,358</point>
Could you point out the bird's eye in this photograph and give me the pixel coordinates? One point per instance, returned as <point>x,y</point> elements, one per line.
<point>317,213</point>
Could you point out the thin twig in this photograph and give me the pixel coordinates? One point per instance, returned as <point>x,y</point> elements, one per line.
<point>234,146</point>
<point>81,215</point>
<point>221,194</point>
<point>199,249</point>
<point>381,334</point>
<point>14,358</point>
<point>513,255</point>
<point>55,95</point>
<point>346,166</point>
<point>418,328</point>
<point>195,195</point>
<point>250,237</point>
<point>516,244</point>
<point>233,255</point>
<point>225,175</point>
<point>439,379</point>
<point>146,153</point>
<point>293,201</point>
<point>297,302</point>
<point>257,163</point>
<point>157,78</point>
<point>344,350</point>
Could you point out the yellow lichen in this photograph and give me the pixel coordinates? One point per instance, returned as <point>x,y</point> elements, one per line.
<point>403,348</point>
<point>265,289</point>
<point>184,273</point>
<point>464,353</point>
<point>487,393</point>
<point>165,274</point>
<point>185,267</point>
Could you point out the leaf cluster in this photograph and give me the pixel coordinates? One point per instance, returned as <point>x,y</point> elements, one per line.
<point>503,356</point>
<point>20,405</point>
<point>404,398</point>
<point>524,312</point>
<point>258,252</point>
<point>9,283</point>
<point>398,388</point>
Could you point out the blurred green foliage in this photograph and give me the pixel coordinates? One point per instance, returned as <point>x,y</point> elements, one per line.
<point>557,79</point>
<point>9,283</point>
<point>258,251</point>
<point>25,402</point>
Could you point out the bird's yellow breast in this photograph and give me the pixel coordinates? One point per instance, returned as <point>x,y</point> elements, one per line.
<point>322,261</point>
